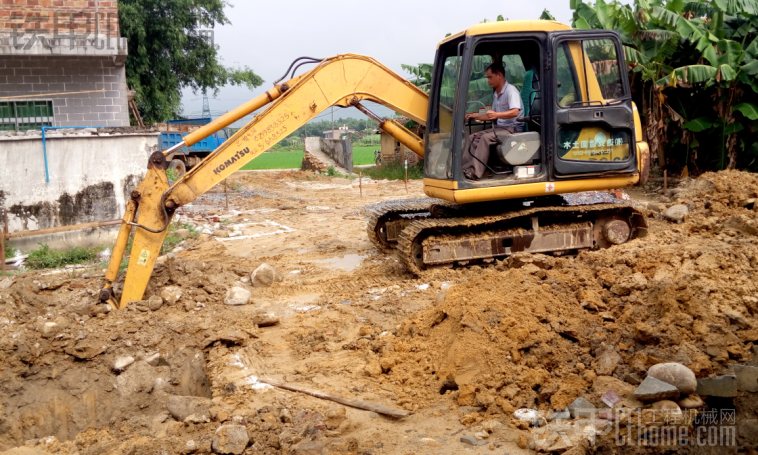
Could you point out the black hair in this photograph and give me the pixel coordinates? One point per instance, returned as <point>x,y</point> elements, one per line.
<point>497,67</point>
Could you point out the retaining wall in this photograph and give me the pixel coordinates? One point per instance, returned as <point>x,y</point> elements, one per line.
<point>92,173</point>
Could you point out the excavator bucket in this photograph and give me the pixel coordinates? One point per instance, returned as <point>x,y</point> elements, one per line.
<point>153,216</point>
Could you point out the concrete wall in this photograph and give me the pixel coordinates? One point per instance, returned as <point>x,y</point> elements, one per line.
<point>392,151</point>
<point>92,173</point>
<point>29,75</point>
<point>340,150</point>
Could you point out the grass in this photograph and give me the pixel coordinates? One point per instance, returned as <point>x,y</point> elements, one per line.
<point>394,171</point>
<point>45,258</point>
<point>294,159</point>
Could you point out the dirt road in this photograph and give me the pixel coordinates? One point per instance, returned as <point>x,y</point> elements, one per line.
<point>460,349</point>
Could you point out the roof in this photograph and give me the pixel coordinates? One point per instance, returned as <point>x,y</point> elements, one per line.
<point>488,28</point>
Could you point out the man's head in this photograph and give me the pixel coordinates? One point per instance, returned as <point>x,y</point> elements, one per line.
<point>496,75</point>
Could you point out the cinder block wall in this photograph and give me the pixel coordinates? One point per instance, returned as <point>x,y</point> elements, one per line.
<point>28,75</point>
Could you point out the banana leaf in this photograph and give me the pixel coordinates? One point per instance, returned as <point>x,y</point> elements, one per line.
<point>665,16</point>
<point>692,74</point>
<point>546,16</point>
<point>698,125</point>
<point>749,110</point>
<point>675,5</point>
<point>751,68</point>
<point>688,30</point>
<point>732,128</point>
<point>726,73</point>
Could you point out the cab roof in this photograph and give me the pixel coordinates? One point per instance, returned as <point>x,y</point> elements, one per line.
<point>489,28</point>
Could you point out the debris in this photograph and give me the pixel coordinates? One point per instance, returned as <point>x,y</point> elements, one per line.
<point>691,402</point>
<point>747,378</point>
<point>470,440</point>
<point>360,404</point>
<point>182,233</point>
<point>49,329</point>
<point>581,408</point>
<point>171,294</point>
<point>722,386</point>
<point>677,375</point>
<point>607,362</point>
<point>181,407</point>
<point>334,416</point>
<point>653,389</point>
<point>155,303</point>
<point>265,275</point>
<point>230,439</point>
<point>526,415</point>
<point>121,363</point>
<point>676,213</point>
<point>668,406</point>
<point>237,296</point>
<point>610,398</point>
<point>264,319</point>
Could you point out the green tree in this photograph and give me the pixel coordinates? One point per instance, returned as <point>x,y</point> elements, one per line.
<point>168,51</point>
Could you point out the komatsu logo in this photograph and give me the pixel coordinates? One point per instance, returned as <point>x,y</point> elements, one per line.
<point>237,156</point>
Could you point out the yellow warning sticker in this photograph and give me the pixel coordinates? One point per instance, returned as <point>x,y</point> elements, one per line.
<point>143,257</point>
<point>522,147</point>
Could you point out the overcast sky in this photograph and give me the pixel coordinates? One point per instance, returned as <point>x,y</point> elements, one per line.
<point>267,36</point>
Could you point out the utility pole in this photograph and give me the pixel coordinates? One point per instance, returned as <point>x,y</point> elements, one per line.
<point>332,121</point>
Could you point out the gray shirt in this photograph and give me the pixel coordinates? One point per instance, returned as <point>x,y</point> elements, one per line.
<point>508,98</point>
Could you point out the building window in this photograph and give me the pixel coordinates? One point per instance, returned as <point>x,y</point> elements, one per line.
<point>25,115</point>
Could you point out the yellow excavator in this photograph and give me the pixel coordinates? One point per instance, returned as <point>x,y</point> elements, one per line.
<point>581,132</point>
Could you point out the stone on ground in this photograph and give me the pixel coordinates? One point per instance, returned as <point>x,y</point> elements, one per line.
<point>265,275</point>
<point>230,439</point>
<point>335,415</point>
<point>182,233</point>
<point>264,319</point>
<point>607,362</point>
<point>171,294</point>
<point>691,402</point>
<point>182,407</point>
<point>237,296</point>
<point>581,408</point>
<point>676,213</point>
<point>653,389</point>
<point>747,377</point>
<point>675,374</point>
<point>122,362</point>
<point>155,302</point>
<point>722,386</point>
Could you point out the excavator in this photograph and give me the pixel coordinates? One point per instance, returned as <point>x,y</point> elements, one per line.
<point>581,132</point>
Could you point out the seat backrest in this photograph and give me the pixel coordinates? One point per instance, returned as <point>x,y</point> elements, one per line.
<point>528,99</point>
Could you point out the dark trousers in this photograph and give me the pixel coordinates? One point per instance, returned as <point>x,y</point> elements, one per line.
<point>479,144</point>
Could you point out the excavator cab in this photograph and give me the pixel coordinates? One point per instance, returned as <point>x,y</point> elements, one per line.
<point>580,129</point>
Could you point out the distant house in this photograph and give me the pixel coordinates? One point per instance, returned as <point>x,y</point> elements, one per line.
<point>61,65</point>
<point>338,133</point>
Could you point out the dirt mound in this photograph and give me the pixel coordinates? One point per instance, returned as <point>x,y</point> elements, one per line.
<point>545,331</point>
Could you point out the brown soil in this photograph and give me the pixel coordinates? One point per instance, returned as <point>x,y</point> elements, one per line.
<point>461,348</point>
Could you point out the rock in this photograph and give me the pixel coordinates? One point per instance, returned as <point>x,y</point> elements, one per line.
<point>470,440</point>
<point>189,447</point>
<point>667,405</point>
<point>676,213</point>
<point>50,329</point>
<point>526,415</point>
<point>121,363</point>
<point>232,336</point>
<point>691,402</point>
<point>581,408</point>
<point>307,448</point>
<point>263,319</point>
<point>223,233</point>
<point>481,435</point>
<point>655,206</point>
<point>6,282</point>
<point>523,441</point>
<point>171,294</point>
<point>156,360</point>
<point>155,303</point>
<point>182,407</point>
<point>675,374</point>
<point>182,233</point>
<point>334,416</point>
<point>632,378</point>
<point>723,386</point>
<point>610,398</point>
<point>265,275</point>
<point>747,378</point>
<point>429,442</point>
<point>230,439</point>
<point>85,349</point>
<point>607,362</point>
<point>559,415</point>
<point>237,296</point>
<point>653,389</point>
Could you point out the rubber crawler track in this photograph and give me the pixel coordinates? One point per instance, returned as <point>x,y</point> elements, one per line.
<point>419,229</point>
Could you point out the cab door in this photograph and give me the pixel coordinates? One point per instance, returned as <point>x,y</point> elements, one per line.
<point>594,120</point>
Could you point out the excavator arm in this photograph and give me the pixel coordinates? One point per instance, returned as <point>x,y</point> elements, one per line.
<point>344,80</point>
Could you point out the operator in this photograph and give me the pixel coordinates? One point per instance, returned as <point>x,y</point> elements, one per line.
<point>506,107</point>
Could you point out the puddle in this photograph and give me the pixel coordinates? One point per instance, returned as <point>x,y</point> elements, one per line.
<point>348,262</point>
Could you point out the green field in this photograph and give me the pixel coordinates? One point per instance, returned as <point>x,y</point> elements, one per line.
<point>293,159</point>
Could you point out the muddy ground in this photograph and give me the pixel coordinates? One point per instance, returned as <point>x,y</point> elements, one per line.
<point>461,349</point>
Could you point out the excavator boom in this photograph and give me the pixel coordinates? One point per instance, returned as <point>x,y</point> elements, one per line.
<point>344,80</point>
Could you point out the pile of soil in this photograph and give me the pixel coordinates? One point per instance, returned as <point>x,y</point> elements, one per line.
<point>539,332</point>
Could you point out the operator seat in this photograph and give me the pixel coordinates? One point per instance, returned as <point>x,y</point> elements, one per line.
<point>523,148</point>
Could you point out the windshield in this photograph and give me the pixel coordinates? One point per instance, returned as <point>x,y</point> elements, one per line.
<point>438,160</point>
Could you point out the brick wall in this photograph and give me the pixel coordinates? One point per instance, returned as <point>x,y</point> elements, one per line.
<point>68,16</point>
<point>27,75</point>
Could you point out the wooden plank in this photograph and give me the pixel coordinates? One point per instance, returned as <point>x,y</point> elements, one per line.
<point>55,230</point>
<point>360,404</point>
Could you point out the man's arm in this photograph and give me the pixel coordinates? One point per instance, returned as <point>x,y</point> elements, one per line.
<point>492,115</point>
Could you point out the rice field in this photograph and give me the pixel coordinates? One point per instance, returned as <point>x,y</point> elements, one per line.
<point>294,158</point>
